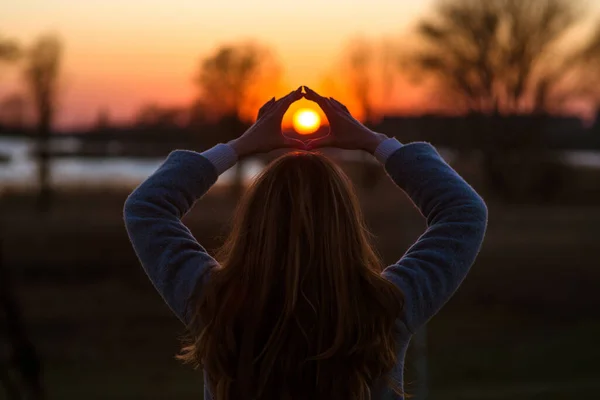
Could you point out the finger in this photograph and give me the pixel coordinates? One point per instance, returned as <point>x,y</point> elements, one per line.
<point>323,102</point>
<point>266,107</point>
<point>285,102</point>
<point>293,96</point>
<point>343,107</point>
<point>317,98</point>
<point>286,99</point>
<point>293,93</point>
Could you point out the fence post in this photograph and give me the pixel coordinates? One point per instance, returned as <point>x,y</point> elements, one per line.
<point>420,346</point>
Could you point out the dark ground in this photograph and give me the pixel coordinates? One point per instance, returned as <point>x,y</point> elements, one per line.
<point>524,325</point>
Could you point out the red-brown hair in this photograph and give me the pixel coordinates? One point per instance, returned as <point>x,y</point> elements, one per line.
<point>298,308</point>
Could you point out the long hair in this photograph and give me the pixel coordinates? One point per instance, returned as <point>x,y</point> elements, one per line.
<point>298,308</point>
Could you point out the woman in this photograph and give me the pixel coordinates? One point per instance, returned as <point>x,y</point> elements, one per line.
<point>299,306</point>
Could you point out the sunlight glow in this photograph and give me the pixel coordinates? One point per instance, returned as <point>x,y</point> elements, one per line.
<point>306,121</point>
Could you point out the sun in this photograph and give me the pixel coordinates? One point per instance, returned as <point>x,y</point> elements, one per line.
<point>306,121</point>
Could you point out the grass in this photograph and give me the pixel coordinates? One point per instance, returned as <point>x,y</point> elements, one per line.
<point>107,340</point>
<point>521,326</point>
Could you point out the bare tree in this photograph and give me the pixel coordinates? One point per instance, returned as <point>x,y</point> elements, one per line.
<point>42,78</point>
<point>20,375</point>
<point>232,79</point>
<point>360,61</point>
<point>505,56</point>
<point>230,82</point>
<point>161,117</point>
<point>583,68</point>
<point>9,50</point>
<point>103,121</point>
<point>502,57</point>
<point>367,73</point>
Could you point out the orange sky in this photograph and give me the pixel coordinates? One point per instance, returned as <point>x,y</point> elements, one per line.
<point>122,54</point>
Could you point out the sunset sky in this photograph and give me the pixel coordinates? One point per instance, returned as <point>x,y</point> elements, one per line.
<point>122,54</point>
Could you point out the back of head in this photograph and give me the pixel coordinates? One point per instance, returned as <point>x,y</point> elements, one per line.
<point>298,309</point>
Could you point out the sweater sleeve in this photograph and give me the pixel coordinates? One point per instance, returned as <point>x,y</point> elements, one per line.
<point>433,268</point>
<point>174,261</point>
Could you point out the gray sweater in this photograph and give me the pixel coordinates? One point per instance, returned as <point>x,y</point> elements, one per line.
<point>428,273</point>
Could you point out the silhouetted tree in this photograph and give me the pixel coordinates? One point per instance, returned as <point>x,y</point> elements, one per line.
<point>230,82</point>
<point>103,121</point>
<point>9,50</point>
<point>42,75</point>
<point>359,69</point>
<point>505,57</point>
<point>367,76</point>
<point>359,66</point>
<point>161,117</point>
<point>585,62</point>
<point>23,357</point>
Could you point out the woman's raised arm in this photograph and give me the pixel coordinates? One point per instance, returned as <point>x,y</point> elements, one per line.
<point>433,268</point>
<point>436,264</point>
<point>174,261</point>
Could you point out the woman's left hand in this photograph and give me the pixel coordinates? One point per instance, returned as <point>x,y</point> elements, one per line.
<point>265,134</point>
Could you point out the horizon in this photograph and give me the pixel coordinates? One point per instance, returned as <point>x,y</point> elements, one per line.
<point>121,56</point>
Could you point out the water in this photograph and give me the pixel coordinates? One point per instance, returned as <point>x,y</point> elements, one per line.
<point>582,158</point>
<point>20,170</point>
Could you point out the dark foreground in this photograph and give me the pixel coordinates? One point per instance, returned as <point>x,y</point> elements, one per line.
<point>524,325</point>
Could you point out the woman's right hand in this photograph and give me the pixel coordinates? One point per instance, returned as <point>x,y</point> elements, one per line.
<point>345,132</point>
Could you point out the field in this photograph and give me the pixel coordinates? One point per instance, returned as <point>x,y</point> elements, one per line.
<point>524,325</point>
